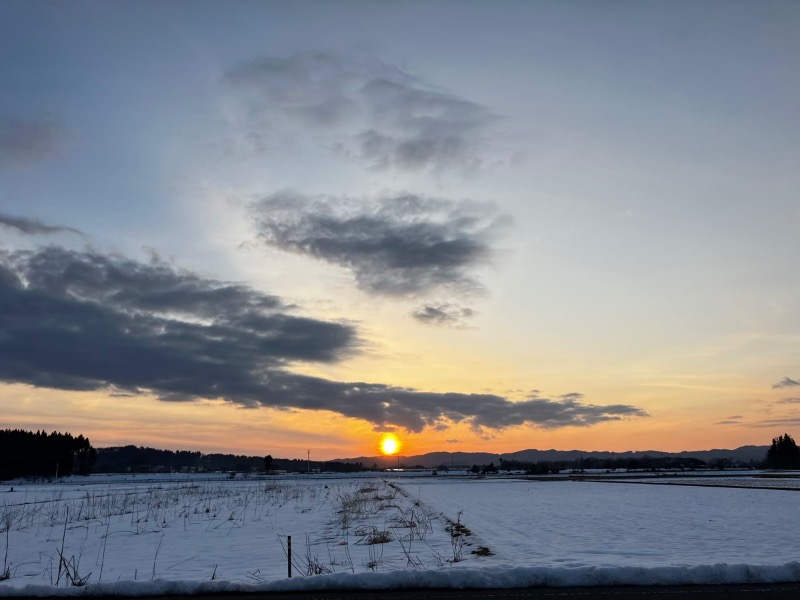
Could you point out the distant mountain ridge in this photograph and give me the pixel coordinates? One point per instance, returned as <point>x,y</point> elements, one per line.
<point>464,459</point>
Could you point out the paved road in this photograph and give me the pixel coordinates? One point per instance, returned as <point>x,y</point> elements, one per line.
<point>784,591</point>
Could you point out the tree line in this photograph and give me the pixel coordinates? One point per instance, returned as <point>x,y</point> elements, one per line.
<point>39,454</point>
<point>139,459</point>
<point>29,454</point>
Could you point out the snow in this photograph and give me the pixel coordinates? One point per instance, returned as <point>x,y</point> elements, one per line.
<point>762,481</point>
<point>186,534</point>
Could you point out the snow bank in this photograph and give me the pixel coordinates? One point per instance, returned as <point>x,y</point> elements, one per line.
<point>454,578</point>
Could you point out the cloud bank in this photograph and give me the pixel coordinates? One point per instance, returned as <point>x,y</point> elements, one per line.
<point>378,113</point>
<point>400,246</point>
<point>414,410</point>
<point>86,321</point>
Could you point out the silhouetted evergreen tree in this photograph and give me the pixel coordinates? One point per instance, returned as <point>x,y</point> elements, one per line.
<point>783,454</point>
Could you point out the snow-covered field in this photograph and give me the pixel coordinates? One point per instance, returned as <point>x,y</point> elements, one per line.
<point>158,535</point>
<point>776,483</point>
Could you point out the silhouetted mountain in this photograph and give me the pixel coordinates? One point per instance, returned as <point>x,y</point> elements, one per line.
<point>743,454</point>
<point>133,458</point>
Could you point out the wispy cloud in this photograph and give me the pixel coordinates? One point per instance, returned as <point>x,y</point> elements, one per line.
<point>86,321</point>
<point>732,420</point>
<point>791,400</point>
<point>34,226</point>
<point>788,421</point>
<point>786,382</point>
<point>398,246</point>
<point>24,142</point>
<point>378,113</point>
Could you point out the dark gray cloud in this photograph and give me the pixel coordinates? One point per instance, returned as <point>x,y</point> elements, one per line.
<point>23,142</point>
<point>85,321</point>
<point>398,246</point>
<point>406,245</point>
<point>155,288</point>
<point>380,114</point>
<point>34,226</point>
<point>786,382</point>
<point>444,314</point>
<point>417,129</point>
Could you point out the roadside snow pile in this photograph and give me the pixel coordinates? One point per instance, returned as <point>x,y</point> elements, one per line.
<point>455,578</point>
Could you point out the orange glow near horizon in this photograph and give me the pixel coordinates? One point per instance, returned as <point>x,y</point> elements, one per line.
<point>217,426</point>
<point>390,444</point>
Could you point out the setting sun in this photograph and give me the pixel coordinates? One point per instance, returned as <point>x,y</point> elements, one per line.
<point>390,444</point>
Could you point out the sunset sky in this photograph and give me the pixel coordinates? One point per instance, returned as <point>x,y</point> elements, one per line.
<point>275,227</point>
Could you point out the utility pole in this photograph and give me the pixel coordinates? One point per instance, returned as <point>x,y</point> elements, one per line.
<point>289,554</point>
<point>309,461</point>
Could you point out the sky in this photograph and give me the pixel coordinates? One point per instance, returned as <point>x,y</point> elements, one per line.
<point>290,227</point>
